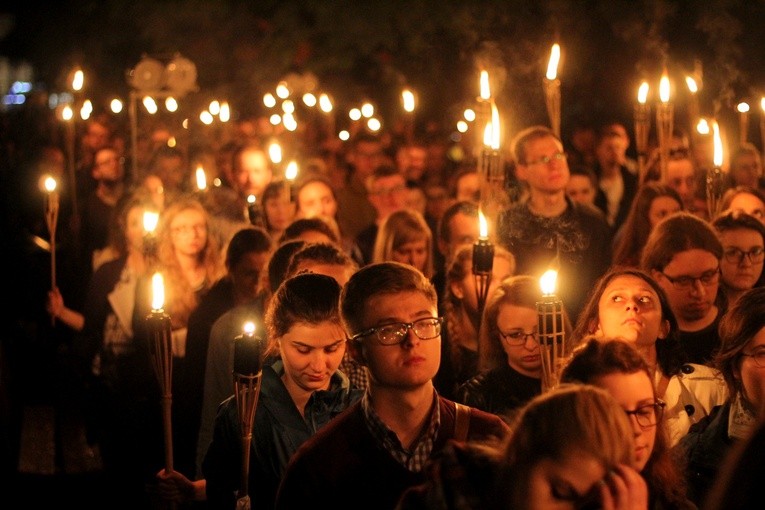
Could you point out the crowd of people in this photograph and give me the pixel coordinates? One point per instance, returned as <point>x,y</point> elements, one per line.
<point>388,380</point>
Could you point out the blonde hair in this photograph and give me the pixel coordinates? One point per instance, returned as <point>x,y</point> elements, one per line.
<point>399,228</point>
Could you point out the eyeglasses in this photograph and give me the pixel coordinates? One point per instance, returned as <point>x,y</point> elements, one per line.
<point>394,334</point>
<point>687,282</point>
<point>649,415</point>
<point>758,357</point>
<point>545,160</point>
<point>517,337</point>
<point>736,256</point>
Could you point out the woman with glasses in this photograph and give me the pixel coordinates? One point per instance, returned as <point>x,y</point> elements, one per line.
<point>509,362</point>
<point>628,304</point>
<point>741,359</point>
<point>618,367</point>
<point>743,240</point>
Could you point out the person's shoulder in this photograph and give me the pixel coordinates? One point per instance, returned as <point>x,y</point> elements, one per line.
<point>589,213</point>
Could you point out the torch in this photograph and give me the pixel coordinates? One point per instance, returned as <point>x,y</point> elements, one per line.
<point>325,104</point>
<point>254,213</point>
<point>150,220</point>
<point>290,174</point>
<point>407,98</point>
<point>715,176</point>
<point>664,121</point>
<point>51,219</point>
<point>693,105</point>
<point>201,180</point>
<point>552,335</point>
<point>743,122</point>
<point>483,111</point>
<point>483,262</point>
<point>552,89</point>
<point>248,368</point>
<point>642,129</point>
<point>160,343</point>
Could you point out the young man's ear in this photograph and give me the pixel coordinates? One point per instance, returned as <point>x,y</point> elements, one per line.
<point>356,350</point>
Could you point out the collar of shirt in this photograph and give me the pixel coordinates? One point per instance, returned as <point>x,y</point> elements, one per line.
<point>415,458</point>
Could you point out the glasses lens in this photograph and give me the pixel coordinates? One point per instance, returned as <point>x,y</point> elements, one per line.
<point>391,334</point>
<point>427,328</point>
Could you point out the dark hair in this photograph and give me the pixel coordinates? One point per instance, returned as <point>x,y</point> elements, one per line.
<point>462,207</point>
<point>278,264</point>
<point>378,279</point>
<point>303,225</point>
<point>522,139</point>
<point>321,253</point>
<point>637,226</point>
<point>677,233</point>
<point>597,358</point>
<point>244,241</point>
<point>119,219</point>
<point>737,328</point>
<point>669,352</point>
<point>586,171</point>
<point>304,298</point>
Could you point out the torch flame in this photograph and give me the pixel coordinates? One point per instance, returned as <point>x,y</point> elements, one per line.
<point>50,184</point>
<point>275,153</point>
<point>249,328</point>
<point>702,127</point>
<point>718,155</point>
<point>547,282</point>
<point>742,107</point>
<point>408,98</point>
<point>78,80</point>
<point>201,178</point>
<point>150,220</point>
<point>552,65</point>
<point>290,173</point>
<point>691,84</point>
<point>643,92</point>
<point>487,134</point>
<point>484,82</point>
<point>67,113</point>
<point>157,292</point>
<point>483,226</point>
<point>325,103</point>
<point>664,89</point>
<point>762,103</point>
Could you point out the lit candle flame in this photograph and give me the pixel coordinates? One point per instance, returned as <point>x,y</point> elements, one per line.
<point>484,83</point>
<point>157,292</point>
<point>269,100</point>
<point>309,99</point>
<point>664,89</point>
<point>225,112</point>
<point>487,132</point>
<point>150,221</point>
<point>282,90</point>
<point>67,113</point>
<point>742,107</point>
<point>275,153</point>
<point>78,80</point>
<point>201,178</point>
<point>702,127</point>
<point>290,173</point>
<point>469,114</point>
<point>214,107</point>
<point>552,65</point>
<point>494,126</point>
<point>374,124</point>
<point>150,104</point>
<point>718,154</point>
<point>408,98</point>
<point>251,199</point>
<point>249,328</point>
<point>116,105</point>
<point>483,226</point>
<point>691,84</point>
<point>354,114</point>
<point>547,282</point>
<point>643,92</point>
<point>367,110</point>
<point>86,110</point>
<point>325,103</point>
<point>171,104</point>
<point>762,103</point>
<point>50,184</point>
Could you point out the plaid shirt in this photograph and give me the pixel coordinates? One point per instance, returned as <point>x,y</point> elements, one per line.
<point>356,373</point>
<point>415,459</point>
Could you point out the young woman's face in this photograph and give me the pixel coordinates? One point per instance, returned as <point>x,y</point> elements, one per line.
<point>742,262</point>
<point>189,232</point>
<point>751,375</point>
<point>311,353</point>
<point>634,392</point>
<point>630,309</point>
<point>519,324</point>
<point>134,230</point>
<point>414,253</point>
<point>564,484</point>
<point>660,208</point>
<point>279,212</point>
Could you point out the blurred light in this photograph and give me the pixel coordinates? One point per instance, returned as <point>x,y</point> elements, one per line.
<point>462,126</point>
<point>742,107</point>
<point>288,106</point>
<point>290,124</point>
<point>325,103</point>
<point>469,115</point>
<point>367,110</point>
<point>78,80</point>
<point>309,99</point>
<point>185,123</point>
<point>150,104</point>
<point>214,107</point>
<point>225,112</point>
<point>86,110</point>
<point>374,124</point>
<point>344,135</point>
<point>354,114</point>
<point>702,127</point>
<point>282,91</point>
<point>408,99</point>
<point>206,117</point>
<point>172,142</point>
<point>269,100</point>
<point>21,87</point>
<point>67,113</point>
<point>171,104</point>
<point>275,119</point>
<point>116,105</point>
<point>275,153</point>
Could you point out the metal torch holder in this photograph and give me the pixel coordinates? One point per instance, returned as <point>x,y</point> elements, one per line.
<point>552,340</point>
<point>247,391</point>
<point>664,122</point>
<point>161,345</point>
<point>715,190</point>
<point>642,131</point>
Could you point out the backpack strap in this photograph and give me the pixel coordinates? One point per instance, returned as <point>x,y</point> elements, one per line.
<point>461,421</point>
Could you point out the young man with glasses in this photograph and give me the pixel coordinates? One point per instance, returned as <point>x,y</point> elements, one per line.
<point>379,447</point>
<point>547,229</point>
<point>683,255</point>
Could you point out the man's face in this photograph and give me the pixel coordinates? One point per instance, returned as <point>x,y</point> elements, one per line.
<point>682,178</point>
<point>463,229</point>
<point>316,199</point>
<point>388,194</point>
<point>611,151</point>
<point>690,298</point>
<point>468,187</point>
<point>746,171</point>
<point>253,173</point>
<point>580,189</point>
<point>544,168</point>
<point>366,157</point>
<point>411,363</point>
<point>107,166</point>
<point>96,137</point>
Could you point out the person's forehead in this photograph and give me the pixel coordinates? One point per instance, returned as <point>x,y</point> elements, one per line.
<point>316,188</point>
<point>679,168</point>
<point>389,180</point>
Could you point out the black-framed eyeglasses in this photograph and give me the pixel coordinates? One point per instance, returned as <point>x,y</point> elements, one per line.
<point>706,278</point>
<point>395,333</point>
<point>648,415</point>
<point>545,160</point>
<point>517,337</point>
<point>736,255</point>
<point>758,357</point>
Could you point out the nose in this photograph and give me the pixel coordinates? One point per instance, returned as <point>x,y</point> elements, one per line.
<point>636,428</point>
<point>318,361</point>
<point>411,339</point>
<point>530,343</point>
<point>698,288</point>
